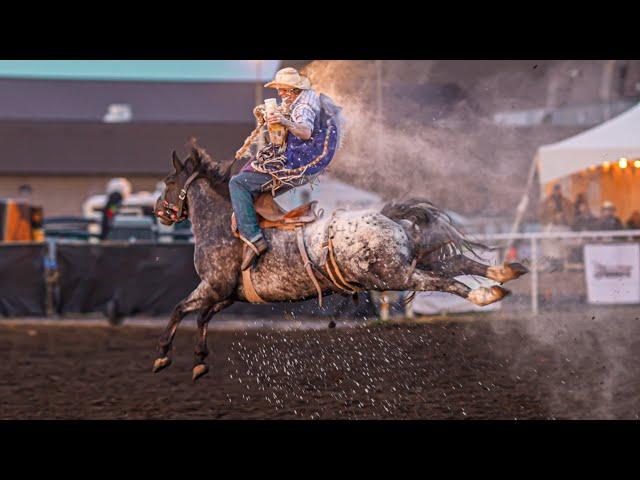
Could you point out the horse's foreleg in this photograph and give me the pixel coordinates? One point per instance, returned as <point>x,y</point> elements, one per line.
<point>462,265</point>
<point>200,367</point>
<point>201,297</point>
<point>422,281</point>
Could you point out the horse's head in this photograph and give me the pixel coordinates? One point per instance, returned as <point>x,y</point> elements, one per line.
<point>171,207</point>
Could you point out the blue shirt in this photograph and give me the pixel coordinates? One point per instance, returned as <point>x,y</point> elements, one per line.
<point>305,108</point>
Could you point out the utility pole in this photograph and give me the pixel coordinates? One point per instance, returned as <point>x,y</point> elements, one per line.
<point>607,86</point>
<point>379,107</point>
<point>258,97</point>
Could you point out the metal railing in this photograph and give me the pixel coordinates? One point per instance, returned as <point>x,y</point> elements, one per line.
<point>533,239</point>
<point>123,229</point>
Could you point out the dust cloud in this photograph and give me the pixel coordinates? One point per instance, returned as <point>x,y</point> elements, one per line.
<point>430,131</point>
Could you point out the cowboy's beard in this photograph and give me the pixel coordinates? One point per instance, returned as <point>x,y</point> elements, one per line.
<point>288,97</point>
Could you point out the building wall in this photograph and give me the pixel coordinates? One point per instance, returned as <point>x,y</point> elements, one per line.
<point>64,195</point>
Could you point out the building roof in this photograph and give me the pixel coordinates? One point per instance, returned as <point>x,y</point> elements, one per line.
<point>153,70</point>
<point>88,100</point>
<point>90,148</point>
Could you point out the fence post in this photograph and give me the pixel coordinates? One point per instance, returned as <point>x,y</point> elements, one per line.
<point>534,276</point>
<point>51,278</point>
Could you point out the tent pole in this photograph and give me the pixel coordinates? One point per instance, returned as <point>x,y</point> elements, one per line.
<point>522,206</point>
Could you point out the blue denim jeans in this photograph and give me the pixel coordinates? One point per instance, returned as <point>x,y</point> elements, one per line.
<point>244,189</point>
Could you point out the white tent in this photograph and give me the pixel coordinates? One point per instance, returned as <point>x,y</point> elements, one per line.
<point>331,194</point>
<point>608,142</point>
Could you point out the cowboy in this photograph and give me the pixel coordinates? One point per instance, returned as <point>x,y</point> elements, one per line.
<point>609,220</point>
<point>312,124</point>
<point>556,209</point>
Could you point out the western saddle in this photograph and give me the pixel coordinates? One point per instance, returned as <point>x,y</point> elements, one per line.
<point>271,215</point>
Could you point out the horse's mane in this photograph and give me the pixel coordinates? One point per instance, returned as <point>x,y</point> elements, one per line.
<point>216,172</point>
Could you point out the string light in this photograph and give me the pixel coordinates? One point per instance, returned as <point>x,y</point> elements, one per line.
<point>636,163</point>
<point>622,163</point>
<point>606,165</point>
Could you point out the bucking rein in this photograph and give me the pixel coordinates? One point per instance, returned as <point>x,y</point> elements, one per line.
<point>270,160</point>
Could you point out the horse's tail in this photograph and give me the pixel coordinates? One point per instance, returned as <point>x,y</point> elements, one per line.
<point>434,235</point>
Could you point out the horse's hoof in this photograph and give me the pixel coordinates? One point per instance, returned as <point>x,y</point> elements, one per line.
<point>518,269</point>
<point>199,370</point>
<point>485,296</point>
<point>161,363</point>
<point>506,272</point>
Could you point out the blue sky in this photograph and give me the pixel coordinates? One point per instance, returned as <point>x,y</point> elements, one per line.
<point>149,70</point>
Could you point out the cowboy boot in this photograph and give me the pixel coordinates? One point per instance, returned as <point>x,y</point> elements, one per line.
<point>250,255</point>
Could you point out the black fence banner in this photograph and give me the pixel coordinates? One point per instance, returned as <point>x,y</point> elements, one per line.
<point>123,279</point>
<point>139,278</point>
<point>22,283</point>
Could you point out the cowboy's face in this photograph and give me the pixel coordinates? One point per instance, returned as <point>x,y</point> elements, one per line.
<point>288,95</point>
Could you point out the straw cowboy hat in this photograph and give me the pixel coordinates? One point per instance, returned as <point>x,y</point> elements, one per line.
<point>289,78</point>
<point>608,206</point>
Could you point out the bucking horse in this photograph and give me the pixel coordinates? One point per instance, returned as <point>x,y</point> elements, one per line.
<point>408,246</point>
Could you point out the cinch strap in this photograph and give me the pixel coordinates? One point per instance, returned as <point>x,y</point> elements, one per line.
<point>249,290</point>
<point>307,263</point>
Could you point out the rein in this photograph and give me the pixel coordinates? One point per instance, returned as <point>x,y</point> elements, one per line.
<point>182,196</point>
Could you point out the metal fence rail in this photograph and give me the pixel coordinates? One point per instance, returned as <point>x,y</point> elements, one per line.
<point>534,237</point>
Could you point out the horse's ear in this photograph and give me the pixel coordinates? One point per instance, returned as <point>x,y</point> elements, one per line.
<point>190,164</point>
<point>195,154</point>
<point>176,162</point>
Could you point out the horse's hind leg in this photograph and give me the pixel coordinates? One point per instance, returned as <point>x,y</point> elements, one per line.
<point>199,298</point>
<point>462,265</point>
<point>422,281</point>
<point>200,368</point>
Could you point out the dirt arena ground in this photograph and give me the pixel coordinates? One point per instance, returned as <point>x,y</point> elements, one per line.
<point>587,366</point>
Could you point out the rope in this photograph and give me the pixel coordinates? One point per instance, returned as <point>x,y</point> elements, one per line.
<point>250,140</point>
<point>272,163</point>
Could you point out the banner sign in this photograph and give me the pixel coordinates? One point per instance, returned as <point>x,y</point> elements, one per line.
<point>612,273</point>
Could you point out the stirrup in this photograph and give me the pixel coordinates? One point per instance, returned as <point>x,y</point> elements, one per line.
<point>252,251</point>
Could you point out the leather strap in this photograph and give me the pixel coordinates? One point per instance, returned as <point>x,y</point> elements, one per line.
<point>180,207</point>
<point>346,285</point>
<point>248,244</point>
<point>307,263</point>
<point>411,270</point>
<point>249,290</point>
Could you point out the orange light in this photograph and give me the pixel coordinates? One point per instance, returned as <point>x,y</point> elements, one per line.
<point>622,163</point>
<point>606,165</point>
<point>636,163</point>
<point>593,167</point>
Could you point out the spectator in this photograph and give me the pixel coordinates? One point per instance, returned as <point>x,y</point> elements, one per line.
<point>608,220</point>
<point>634,221</point>
<point>584,219</point>
<point>581,199</point>
<point>24,192</point>
<point>556,215</point>
<point>556,209</point>
<point>114,201</point>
